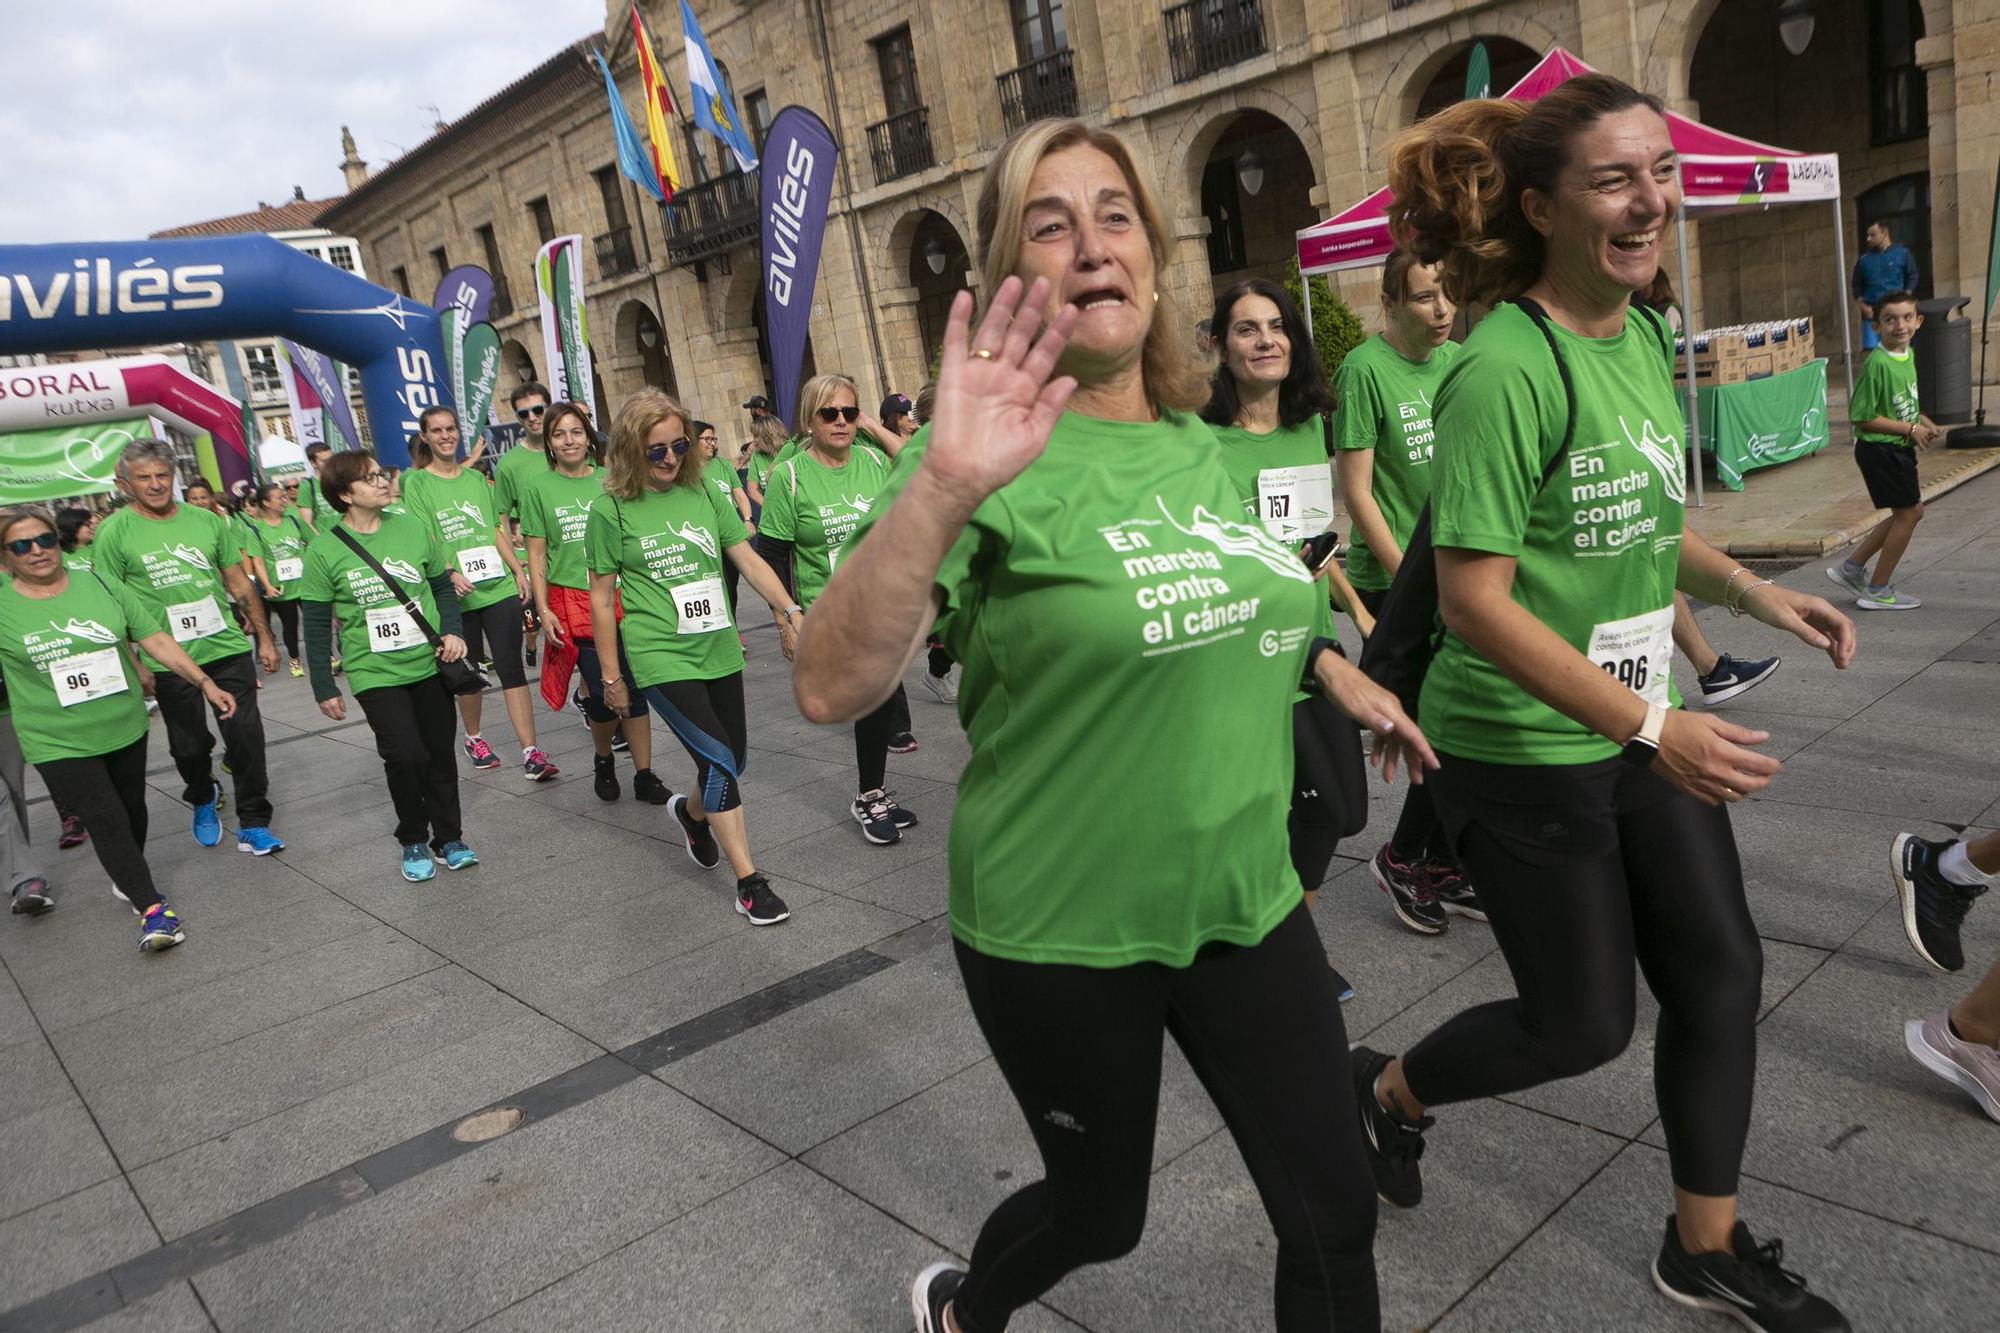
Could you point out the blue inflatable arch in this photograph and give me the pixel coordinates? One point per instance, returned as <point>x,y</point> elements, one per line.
<point>56,298</point>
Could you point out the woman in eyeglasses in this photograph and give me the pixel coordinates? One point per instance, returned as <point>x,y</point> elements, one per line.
<point>658,541</point>
<point>391,666</point>
<point>813,502</point>
<point>79,718</point>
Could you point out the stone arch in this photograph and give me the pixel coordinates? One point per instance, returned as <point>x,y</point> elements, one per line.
<point>1671,56</point>
<point>1188,151</point>
<point>925,296</point>
<point>895,258</point>
<point>514,357</point>
<point>639,341</point>
<point>1427,53</point>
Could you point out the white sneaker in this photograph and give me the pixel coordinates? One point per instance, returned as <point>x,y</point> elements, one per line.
<point>942,687</point>
<point>1973,1068</point>
<point>1887,599</point>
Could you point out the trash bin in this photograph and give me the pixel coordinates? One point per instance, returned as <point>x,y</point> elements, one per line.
<point>1944,360</point>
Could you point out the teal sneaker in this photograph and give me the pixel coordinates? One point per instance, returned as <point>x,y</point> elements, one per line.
<point>207,825</point>
<point>258,841</point>
<point>417,863</point>
<point>456,855</point>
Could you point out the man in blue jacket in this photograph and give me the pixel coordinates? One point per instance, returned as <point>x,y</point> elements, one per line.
<point>1884,267</point>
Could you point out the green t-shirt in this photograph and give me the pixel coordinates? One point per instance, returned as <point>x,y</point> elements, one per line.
<point>78,561</point>
<point>667,547</point>
<point>314,504</point>
<point>379,643</point>
<point>1286,484</point>
<point>760,468</point>
<point>557,509</point>
<point>461,516</point>
<point>1597,549</point>
<point>1886,387</point>
<point>1131,646</point>
<point>282,548</point>
<point>1385,405</point>
<point>73,690</point>
<point>175,565</point>
<point>512,472</point>
<point>818,509</point>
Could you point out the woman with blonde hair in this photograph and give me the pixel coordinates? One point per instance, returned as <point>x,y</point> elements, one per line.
<point>656,543</point>
<point>1589,808</point>
<point>1131,645</point>
<point>816,501</point>
<point>767,437</point>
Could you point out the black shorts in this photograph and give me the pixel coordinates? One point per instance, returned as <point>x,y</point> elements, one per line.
<point>1891,473</point>
<point>499,627</point>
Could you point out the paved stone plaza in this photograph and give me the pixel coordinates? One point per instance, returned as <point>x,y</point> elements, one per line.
<point>728,1128</point>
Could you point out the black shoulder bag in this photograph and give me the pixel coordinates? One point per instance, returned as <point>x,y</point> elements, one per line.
<point>1408,631</point>
<point>460,677</point>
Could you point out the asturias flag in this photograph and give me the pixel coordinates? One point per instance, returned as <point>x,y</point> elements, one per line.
<point>712,110</point>
<point>633,162</point>
<point>660,113</point>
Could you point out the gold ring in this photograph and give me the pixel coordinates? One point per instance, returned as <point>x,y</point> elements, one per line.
<point>982,353</point>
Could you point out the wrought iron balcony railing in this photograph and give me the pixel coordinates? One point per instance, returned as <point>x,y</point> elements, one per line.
<point>1039,89</point>
<point>901,145</point>
<point>1207,35</point>
<point>711,218</point>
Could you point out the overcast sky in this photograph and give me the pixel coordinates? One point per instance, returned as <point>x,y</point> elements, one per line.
<point>123,117</point>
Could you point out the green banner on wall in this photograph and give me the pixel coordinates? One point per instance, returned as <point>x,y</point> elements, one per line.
<point>37,466</point>
<point>1762,422</point>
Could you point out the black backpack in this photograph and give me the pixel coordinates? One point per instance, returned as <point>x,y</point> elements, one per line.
<point>1408,632</point>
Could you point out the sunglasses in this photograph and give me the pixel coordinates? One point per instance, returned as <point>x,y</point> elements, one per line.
<point>832,414</point>
<point>658,453</point>
<point>527,412</point>
<point>22,545</point>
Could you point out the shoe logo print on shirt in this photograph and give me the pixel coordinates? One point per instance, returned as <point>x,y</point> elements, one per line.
<point>188,555</point>
<point>1663,452</point>
<point>860,504</point>
<point>85,629</point>
<point>705,540</point>
<point>405,572</point>
<point>1246,539</point>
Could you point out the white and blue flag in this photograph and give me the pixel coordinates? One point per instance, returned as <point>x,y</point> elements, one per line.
<point>712,108</point>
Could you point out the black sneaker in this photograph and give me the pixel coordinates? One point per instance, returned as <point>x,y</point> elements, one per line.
<point>756,902</point>
<point>897,814</point>
<point>878,824</point>
<point>1933,906</point>
<point>1751,1286</point>
<point>619,745</point>
<point>605,781</point>
<point>1342,987</point>
<point>1394,1144</point>
<point>1454,891</point>
<point>931,1293</point>
<point>699,836</point>
<point>902,743</point>
<point>1410,893</point>
<point>1730,677</point>
<point>647,787</point>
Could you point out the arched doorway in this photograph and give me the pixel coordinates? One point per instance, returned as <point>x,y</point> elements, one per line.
<point>937,268</point>
<point>518,363</point>
<point>641,339</point>
<point>807,366</point>
<point>1507,60</point>
<point>1256,192</point>
<point>1903,205</point>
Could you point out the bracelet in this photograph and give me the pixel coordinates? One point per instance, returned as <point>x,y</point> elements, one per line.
<point>615,680</point>
<point>1735,608</point>
<point>1730,581</point>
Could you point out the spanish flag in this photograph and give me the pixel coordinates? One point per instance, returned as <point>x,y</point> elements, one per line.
<point>660,112</point>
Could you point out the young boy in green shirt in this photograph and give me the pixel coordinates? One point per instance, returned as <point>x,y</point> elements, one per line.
<point>1888,428</point>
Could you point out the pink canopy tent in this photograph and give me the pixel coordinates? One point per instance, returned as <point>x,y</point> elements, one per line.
<point>1720,173</point>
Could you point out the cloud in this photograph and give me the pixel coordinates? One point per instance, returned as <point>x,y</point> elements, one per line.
<point>123,117</point>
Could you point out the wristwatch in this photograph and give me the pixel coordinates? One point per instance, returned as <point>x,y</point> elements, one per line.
<point>1643,748</point>
<point>793,610</point>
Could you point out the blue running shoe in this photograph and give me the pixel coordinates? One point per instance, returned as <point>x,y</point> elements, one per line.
<point>258,841</point>
<point>456,855</point>
<point>159,928</point>
<point>417,863</point>
<point>207,825</point>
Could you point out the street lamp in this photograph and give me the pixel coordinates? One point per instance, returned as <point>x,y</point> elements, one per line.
<point>935,256</point>
<point>1250,172</point>
<point>1795,24</point>
<point>649,335</point>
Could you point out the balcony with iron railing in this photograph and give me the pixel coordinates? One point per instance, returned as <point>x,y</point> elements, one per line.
<point>1207,35</point>
<point>711,218</point>
<point>901,145</point>
<point>1038,89</point>
<point>615,255</point>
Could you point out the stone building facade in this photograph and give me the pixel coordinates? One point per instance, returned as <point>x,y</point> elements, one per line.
<point>1257,117</point>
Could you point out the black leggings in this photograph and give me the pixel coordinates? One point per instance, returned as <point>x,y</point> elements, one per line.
<point>1091,1090</point>
<point>1329,786</point>
<point>871,739</point>
<point>288,616</point>
<point>416,734</point>
<point>109,792</point>
<point>497,627</point>
<point>1418,835</point>
<point>707,716</point>
<point>1580,868</point>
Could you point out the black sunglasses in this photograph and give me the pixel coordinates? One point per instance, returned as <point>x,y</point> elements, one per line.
<point>527,412</point>
<point>832,414</point>
<point>658,453</point>
<point>22,545</point>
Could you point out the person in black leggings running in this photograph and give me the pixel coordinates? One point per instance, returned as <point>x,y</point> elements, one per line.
<point>277,558</point>
<point>1092,570</point>
<point>1589,808</point>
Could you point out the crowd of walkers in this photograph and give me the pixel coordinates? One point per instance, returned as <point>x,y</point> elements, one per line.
<point>1105,546</point>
